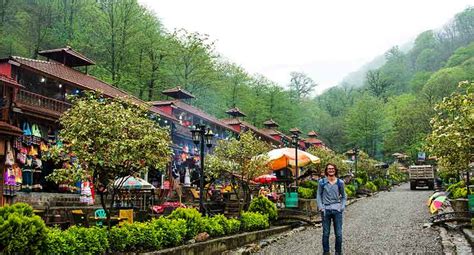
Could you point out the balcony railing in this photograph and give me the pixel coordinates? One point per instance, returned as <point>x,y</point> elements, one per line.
<point>42,102</point>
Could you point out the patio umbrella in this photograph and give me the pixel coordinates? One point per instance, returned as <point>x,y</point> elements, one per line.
<point>266,178</point>
<point>434,196</point>
<point>285,157</point>
<point>437,203</point>
<point>130,182</point>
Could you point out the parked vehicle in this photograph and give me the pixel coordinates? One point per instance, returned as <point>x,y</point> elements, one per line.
<point>422,175</point>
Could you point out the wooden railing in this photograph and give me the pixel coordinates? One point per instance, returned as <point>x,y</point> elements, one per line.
<point>32,99</point>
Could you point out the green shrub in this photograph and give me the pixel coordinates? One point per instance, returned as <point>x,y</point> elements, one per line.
<point>21,232</point>
<point>254,221</point>
<point>359,181</point>
<point>459,193</point>
<point>233,226</point>
<point>371,186</point>
<point>212,227</point>
<point>350,190</point>
<point>135,237</point>
<point>263,205</point>
<point>381,183</point>
<point>194,221</point>
<point>174,231</point>
<point>306,193</point>
<point>77,240</point>
<point>57,243</point>
<point>309,184</point>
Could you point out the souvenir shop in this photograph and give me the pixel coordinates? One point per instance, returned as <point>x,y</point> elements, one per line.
<point>27,164</point>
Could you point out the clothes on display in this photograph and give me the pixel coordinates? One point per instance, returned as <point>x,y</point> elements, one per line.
<point>86,193</point>
<point>29,148</point>
<point>187,178</point>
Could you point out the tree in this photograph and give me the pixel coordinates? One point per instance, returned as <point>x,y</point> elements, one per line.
<point>452,136</point>
<point>377,84</point>
<point>365,124</point>
<point>327,156</point>
<point>240,157</point>
<point>301,85</point>
<point>408,120</point>
<point>112,138</point>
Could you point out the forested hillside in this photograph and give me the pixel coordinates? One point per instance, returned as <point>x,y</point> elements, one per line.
<point>388,112</point>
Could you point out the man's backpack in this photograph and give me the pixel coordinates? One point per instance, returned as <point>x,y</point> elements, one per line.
<point>323,182</point>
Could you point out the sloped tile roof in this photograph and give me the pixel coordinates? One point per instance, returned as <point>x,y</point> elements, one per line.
<point>79,79</point>
<point>194,110</point>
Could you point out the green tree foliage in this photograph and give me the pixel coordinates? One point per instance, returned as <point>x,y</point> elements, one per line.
<point>408,122</point>
<point>364,123</point>
<point>301,85</point>
<point>134,52</point>
<point>332,157</point>
<point>376,83</point>
<point>452,136</point>
<point>243,156</point>
<point>111,138</point>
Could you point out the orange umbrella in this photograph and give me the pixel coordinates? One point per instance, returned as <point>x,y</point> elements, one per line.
<point>285,157</point>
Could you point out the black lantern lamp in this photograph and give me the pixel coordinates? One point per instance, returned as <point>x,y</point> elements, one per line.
<point>208,137</point>
<point>195,134</point>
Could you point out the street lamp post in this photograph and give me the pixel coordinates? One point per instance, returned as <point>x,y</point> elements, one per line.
<point>202,136</point>
<point>355,150</point>
<point>295,140</point>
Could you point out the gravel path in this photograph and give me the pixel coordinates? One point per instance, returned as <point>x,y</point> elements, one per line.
<point>390,222</point>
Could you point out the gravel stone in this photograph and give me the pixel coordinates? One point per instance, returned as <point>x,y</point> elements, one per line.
<point>386,223</point>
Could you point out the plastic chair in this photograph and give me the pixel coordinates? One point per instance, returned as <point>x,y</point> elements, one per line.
<point>100,215</point>
<point>128,214</point>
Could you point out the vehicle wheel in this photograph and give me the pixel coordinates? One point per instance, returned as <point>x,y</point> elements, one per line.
<point>412,185</point>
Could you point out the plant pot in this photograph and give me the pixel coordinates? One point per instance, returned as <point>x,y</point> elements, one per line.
<point>460,205</point>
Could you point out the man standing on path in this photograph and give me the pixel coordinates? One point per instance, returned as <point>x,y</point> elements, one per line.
<point>331,199</point>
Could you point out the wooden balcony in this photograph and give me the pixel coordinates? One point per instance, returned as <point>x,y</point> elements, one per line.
<point>39,104</point>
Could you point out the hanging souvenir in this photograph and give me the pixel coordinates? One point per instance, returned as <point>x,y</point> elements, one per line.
<point>86,193</point>
<point>35,131</point>
<point>33,151</point>
<point>37,163</point>
<point>9,158</point>
<point>17,144</point>
<point>26,129</point>
<point>21,157</point>
<point>29,161</point>
<point>18,174</point>
<point>187,178</point>
<point>43,147</point>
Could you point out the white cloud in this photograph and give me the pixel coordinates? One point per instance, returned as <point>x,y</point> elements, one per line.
<point>325,39</point>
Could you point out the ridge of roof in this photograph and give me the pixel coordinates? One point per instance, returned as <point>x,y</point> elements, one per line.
<point>112,91</point>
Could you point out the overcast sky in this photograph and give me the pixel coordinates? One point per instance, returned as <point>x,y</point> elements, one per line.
<point>324,39</point>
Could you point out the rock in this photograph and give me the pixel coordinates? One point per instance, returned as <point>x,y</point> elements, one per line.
<point>190,241</point>
<point>201,237</point>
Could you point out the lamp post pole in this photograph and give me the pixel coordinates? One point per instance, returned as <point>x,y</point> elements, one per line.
<point>200,136</point>
<point>295,140</point>
<point>201,175</point>
<point>356,151</point>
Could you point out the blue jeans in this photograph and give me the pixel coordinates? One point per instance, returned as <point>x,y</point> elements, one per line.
<point>336,217</point>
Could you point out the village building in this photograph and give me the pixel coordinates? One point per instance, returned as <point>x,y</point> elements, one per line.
<point>35,94</point>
